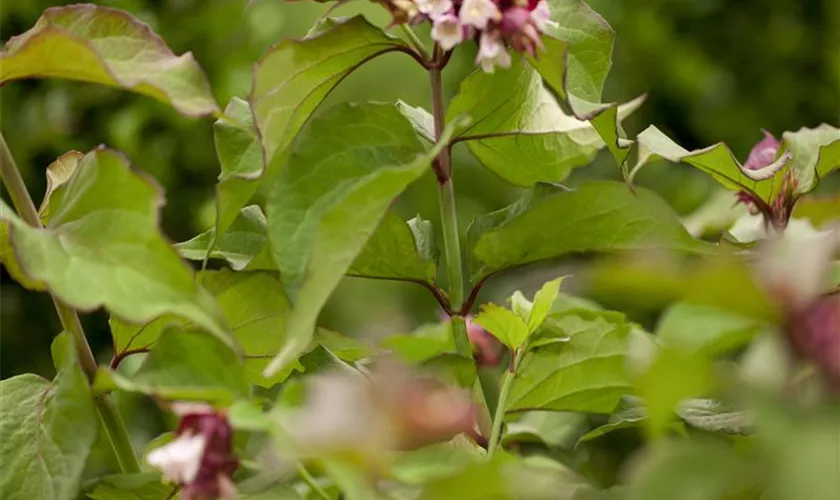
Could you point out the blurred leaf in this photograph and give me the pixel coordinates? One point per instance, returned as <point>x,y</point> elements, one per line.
<point>482,479</point>
<point>706,329</point>
<point>689,470</point>
<point>503,324</point>
<point>140,486</point>
<point>184,365</point>
<point>715,216</point>
<point>599,216</point>
<point>394,252</point>
<point>815,154</point>
<point>714,416</point>
<point>674,375</point>
<point>804,450</point>
<point>518,129</point>
<point>103,246</point>
<point>434,462</point>
<point>107,46</point>
<point>819,210</point>
<point>348,166</point>
<point>7,256</point>
<point>422,120</point>
<point>586,374</point>
<point>47,430</point>
<point>244,245</point>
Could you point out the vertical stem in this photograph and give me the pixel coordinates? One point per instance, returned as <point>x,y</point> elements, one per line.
<point>448,214</point>
<point>499,415</point>
<point>114,426</point>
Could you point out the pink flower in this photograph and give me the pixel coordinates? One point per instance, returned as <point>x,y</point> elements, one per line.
<point>488,350</point>
<point>200,458</point>
<point>448,31</point>
<point>492,52</point>
<point>479,13</point>
<point>763,153</point>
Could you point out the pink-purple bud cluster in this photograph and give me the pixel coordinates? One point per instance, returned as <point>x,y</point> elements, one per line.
<point>777,211</point>
<point>497,25</point>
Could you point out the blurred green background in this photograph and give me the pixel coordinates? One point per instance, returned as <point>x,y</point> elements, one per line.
<point>713,70</point>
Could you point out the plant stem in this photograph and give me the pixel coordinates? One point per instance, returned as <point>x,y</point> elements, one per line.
<point>308,479</point>
<point>415,41</point>
<point>448,214</point>
<point>499,415</point>
<point>114,425</point>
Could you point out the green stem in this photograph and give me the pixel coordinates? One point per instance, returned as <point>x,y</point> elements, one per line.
<point>448,215</point>
<point>114,426</point>
<point>415,41</point>
<point>499,415</point>
<point>308,479</point>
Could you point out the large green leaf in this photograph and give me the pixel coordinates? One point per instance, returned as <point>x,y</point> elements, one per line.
<point>397,250</point>
<point>519,131</point>
<point>585,373</point>
<point>184,365</point>
<point>348,166</point>
<point>255,307</point>
<point>139,486</point>
<point>103,247</point>
<point>550,222</point>
<point>290,81</point>
<point>504,324</point>
<point>107,46</point>
<point>47,430</point>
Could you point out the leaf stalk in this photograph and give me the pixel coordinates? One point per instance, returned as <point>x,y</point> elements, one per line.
<point>112,421</point>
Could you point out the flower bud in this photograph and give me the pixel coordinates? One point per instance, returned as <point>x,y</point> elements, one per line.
<point>487,349</point>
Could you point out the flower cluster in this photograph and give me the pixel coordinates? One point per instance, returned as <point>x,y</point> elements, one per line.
<point>497,25</point>
<point>200,458</point>
<point>391,409</point>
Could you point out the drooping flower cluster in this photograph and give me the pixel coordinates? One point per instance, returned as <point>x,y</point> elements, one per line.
<point>497,25</point>
<point>200,458</point>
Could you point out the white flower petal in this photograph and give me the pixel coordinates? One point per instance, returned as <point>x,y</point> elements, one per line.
<point>479,13</point>
<point>491,53</point>
<point>182,408</point>
<point>447,31</point>
<point>180,460</point>
<point>434,8</point>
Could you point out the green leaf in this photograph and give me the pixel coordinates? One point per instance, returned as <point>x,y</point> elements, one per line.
<point>809,153</point>
<point>256,310</point>
<point>714,416</point>
<point>244,245</point>
<point>586,373</point>
<point>518,129</point>
<point>348,166</point>
<point>552,428</point>
<point>47,430</point>
<point>629,415</point>
<point>58,173</point>
<point>819,210</point>
<point>141,486</point>
<point>543,302</point>
<point>814,154</point>
<point>674,375</point>
<point>110,47</point>
<point>709,330</point>
<point>290,81</point>
<point>600,216</point>
<point>103,247</point>
<point>394,252</point>
<point>184,365</point>
<point>503,324</point>
<point>590,44</point>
